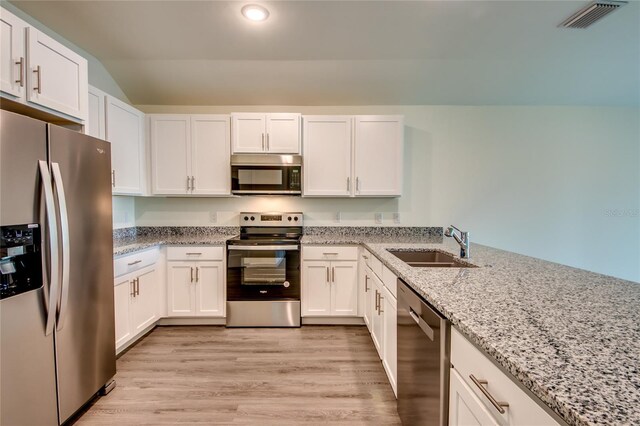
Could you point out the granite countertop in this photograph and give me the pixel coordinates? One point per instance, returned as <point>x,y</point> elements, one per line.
<point>131,240</point>
<point>570,336</point>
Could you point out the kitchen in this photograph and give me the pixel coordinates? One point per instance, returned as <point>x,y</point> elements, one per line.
<point>521,142</point>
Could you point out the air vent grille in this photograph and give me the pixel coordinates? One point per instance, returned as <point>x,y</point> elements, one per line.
<point>591,13</point>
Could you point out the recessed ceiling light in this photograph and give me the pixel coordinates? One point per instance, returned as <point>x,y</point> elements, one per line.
<point>253,12</point>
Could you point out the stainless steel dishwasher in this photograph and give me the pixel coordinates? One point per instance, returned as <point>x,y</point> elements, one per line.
<point>424,341</point>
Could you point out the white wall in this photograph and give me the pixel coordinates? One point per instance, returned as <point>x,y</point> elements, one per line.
<point>558,183</point>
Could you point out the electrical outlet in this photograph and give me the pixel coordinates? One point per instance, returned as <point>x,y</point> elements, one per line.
<point>338,217</point>
<point>396,217</point>
<point>379,217</point>
<point>213,217</point>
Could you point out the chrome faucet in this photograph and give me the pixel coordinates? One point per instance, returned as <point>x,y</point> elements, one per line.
<point>462,240</point>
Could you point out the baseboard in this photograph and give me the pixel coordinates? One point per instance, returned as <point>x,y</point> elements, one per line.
<point>131,343</point>
<point>333,321</point>
<point>192,321</point>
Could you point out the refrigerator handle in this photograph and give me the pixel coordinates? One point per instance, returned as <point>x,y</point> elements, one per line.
<point>64,227</point>
<point>52,225</point>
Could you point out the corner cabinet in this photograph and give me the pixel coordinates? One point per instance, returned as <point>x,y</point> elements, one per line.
<point>40,71</point>
<point>124,128</point>
<point>329,281</point>
<point>353,156</point>
<point>260,133</point>
<point>195,282</point>
<point>190,154</point>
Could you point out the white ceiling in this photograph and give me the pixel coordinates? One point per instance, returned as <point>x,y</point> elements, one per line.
<point>356,52</point>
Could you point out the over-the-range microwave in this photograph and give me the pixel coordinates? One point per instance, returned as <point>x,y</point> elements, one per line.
<point>263,174</point>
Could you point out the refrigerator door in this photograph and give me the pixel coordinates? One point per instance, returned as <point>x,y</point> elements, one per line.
<point>85,333</point>
<point>27,362</point>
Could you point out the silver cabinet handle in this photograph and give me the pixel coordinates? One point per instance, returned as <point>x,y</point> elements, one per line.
<point>138,286</point>
<point>66,251</point>
<point>192,274</point>
<point>263,142</point>
<point>197,274</point>
<point>38,71</point>
<point>357,184</point>
<point>422,324</point>
<point>268,149</point>
<point>193,183</point>
<point>21,79</point>
<point>134,263</point>
<point>113,178</point>
<point>54,254</point>
<point>377,300</point>
<point>333,274</point>
<point>348,183</point>
<point>133,288</point>
<point>194,253</point>
<point>188,183</point>
<point>330,254</point>
<point>366,282</point>
<point>380,299</point>
<point>499,405</point>
<point>327,268</point>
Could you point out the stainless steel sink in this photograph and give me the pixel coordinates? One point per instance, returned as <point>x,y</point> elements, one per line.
<point>429,259</point>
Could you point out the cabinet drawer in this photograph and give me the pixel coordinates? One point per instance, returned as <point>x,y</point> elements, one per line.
<point>329,253</point>
<point>390,281</point>
<point>375,264</point>
<point>468,360</point>
<point>195,253</point>
<point>132,262</point>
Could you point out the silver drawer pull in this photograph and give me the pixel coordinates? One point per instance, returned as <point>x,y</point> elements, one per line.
<point>134,263</point>
<point>194,254</point>
<point>330,254</point>
<point>499,405</point>
<point>422,324</point>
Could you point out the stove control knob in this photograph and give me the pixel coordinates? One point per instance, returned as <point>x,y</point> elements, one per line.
<point>253,218</point>
<point>246,218</point>
<point>289,218</point>
<point>286,284</point>
<point>295,218</point>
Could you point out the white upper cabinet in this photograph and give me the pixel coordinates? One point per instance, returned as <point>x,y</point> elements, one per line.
<point>378,152</point>
<point>12,54</point>
<point>37,70</point>
<point>259,133</point>
<point>96,124</point>
<point>125,131</point>
<point>190,154</point>
<point>327,155</point>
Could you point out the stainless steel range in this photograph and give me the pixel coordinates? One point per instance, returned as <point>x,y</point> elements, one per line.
<point>263,271</point>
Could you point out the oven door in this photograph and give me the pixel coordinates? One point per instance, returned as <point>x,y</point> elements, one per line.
<point>263,272</point>
<point>252,179</point>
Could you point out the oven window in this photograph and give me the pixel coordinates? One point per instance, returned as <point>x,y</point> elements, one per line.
<point>264,267</point>
<point>260,177</point>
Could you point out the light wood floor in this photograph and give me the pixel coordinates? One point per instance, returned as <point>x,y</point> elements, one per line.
<point>214,375</point>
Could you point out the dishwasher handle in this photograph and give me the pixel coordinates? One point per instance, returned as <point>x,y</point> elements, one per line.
<point>422,324</point>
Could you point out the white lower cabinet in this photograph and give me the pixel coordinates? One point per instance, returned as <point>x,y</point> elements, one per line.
<point>195,288</point>
<point>473,377</point>
<point>330,288</point>
<point>390,349</point>
<point>136,302</point>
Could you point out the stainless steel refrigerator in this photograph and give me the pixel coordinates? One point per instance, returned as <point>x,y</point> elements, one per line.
<point>56,264</point>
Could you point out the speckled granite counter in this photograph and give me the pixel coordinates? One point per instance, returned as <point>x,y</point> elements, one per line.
<point>131,240</point>
<point>570,336</point>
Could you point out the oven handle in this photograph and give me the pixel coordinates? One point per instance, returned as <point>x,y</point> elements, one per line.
<point>263,248</point>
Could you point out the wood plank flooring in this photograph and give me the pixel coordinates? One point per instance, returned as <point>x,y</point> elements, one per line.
<point>214,375</point>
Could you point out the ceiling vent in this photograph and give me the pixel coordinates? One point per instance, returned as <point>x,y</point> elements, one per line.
<point>591,13</point>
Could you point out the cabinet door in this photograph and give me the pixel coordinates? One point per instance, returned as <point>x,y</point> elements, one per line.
<point>144,304</point>
<point>12,54</point>
<point>96,117</point>
<point>170,152</point>
<point>209,289</point>
<point>180,288</point>
<point>124,130</point>
<point>123,293</point>
<point>344,291</point>
<point>378,155</point>
<point>327,156</point>
<point>58,77</point>
<point>283,133</point>
<point>210,154</point>
<point>465,409</point>
<point>390,350</point>
<point>377,318</point>
<point>248,133</point>
<point>316,289</point>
